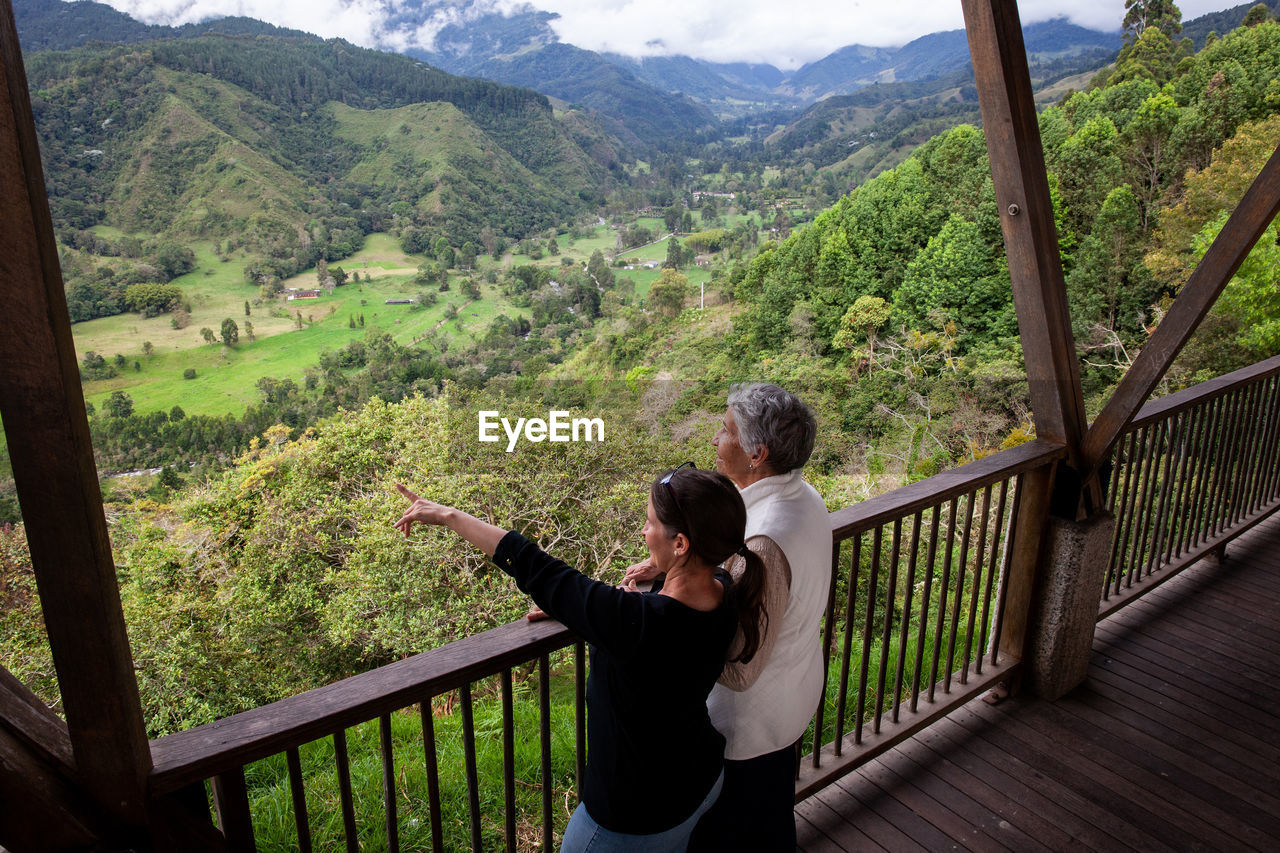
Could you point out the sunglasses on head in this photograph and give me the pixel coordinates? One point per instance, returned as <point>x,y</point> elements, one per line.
<point>666,481</point>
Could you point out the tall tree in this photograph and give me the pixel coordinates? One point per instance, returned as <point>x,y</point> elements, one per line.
<point>675,255</point>
<point>467,255</point>
<point>1141,14</point>
<point>864,317</point>
<point>667,294</point>
<point>444,253</point>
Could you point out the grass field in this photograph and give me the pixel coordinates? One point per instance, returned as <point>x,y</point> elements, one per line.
<point>226,376</point>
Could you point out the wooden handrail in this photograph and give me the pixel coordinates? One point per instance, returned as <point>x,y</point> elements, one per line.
<point>1187,398</point>
<point>1199,468</point>
<point>195,754</point>
<point>942,487</point>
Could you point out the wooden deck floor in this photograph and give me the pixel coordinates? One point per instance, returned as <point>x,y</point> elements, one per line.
<point>1172,743</point>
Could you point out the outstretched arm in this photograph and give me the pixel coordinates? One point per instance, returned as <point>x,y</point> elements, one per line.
<point>600,613</point>
<point>482,534</point>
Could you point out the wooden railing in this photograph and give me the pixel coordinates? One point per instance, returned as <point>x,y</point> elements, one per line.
<point>1193,470</point>
<point>916,603</point>
<point>906,657</point>
<point>220,751</point>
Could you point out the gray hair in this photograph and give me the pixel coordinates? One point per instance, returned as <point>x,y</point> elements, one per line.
<point>777,419</point>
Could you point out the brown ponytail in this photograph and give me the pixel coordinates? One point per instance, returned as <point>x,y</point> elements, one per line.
<point>706,507</point>
<point>748,595</point>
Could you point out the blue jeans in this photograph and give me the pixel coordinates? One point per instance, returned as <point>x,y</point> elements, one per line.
<point>584,835</point>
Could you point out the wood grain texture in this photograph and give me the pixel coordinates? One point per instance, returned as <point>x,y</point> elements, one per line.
<point>47,431</point>
<point>1026,217</point>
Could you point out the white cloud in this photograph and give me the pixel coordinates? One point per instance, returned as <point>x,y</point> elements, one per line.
<point>775,31</point>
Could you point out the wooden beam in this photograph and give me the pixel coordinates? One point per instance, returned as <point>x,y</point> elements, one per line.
<point>1026,217</point>
<point>28,719</point>
<point>1025,559</point>
<point>39,808</point>
<point>42,405</point>
<point>1243,229</point>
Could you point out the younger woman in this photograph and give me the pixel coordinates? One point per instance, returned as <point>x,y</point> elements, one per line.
<point>654,761</point>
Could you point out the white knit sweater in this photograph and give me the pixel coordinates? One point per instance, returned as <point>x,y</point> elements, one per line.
<point>773,712</point>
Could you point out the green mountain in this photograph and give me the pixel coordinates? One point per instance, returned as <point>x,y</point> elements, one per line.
<point>940,55</point>
<point>45,25</point>
<point>291,146</point>
<point>517,50</point>
<point>583,77</point>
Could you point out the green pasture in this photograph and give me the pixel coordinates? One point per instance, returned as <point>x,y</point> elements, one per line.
<point>215,290</point>
<point>656,224</point>
<point>226,377</point>
<point>644,279</point>
<point>652,253</point>
<point>603,240</point>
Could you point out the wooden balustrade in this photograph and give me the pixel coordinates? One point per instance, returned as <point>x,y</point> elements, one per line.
<point>220,751</point>
<point>1194,470</point>
<point>917,606</point>
<point>950,534</point>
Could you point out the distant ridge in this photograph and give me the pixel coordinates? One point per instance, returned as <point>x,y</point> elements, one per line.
<point>650,100</point>
<point>496,48</point>
<point>55,25</point>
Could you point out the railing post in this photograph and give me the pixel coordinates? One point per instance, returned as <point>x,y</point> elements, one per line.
<point>231,799</point>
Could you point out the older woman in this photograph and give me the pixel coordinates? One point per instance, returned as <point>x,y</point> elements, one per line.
<point>763,706</point>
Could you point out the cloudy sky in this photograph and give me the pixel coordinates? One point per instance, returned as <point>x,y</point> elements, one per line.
<point>786,33</point>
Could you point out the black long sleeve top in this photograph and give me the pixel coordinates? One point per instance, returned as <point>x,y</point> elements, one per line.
<point>652,753</point>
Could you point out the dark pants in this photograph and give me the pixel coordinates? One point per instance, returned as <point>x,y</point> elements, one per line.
<point>755,811</point>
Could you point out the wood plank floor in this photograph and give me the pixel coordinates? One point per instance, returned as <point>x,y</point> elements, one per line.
<point>1172,743</point>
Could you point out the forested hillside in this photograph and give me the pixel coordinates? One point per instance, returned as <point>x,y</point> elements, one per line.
<point>894,307</point>
<point>238,141</point>
<point>57,25</point>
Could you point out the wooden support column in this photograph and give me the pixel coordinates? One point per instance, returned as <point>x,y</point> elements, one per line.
<point>1243,229</point>
<point>1026,217</point>
<point>42,405</point>
<point>1049,631</point>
